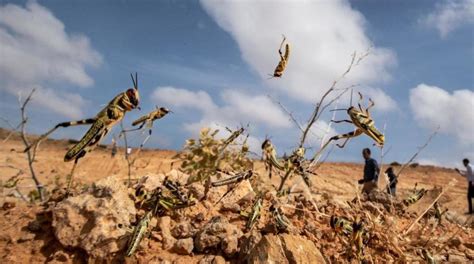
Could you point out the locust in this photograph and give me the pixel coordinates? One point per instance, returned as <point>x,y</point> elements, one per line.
<point>269,157</point>
<point>148,120</point>
<point>281,221</point>
<point>341,225</point>
<point>363,122</point>
<point>101,124</point>
<point>357,239</point>
<point>255,213</point>
<point>414,197</point>
<point>428,257</point>
<point>283,60</point>
<point>295,163</point>
<point>138,233</point>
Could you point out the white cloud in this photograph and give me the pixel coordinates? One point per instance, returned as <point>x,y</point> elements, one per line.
<point>322,35</point>
<point>453,112</point>
<point>238,108</point>
<point>37,52</point>
<point>450,15</point>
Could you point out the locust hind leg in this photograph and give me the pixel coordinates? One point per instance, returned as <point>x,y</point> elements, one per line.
<point>70,176</point>
<point>347,136</point>
<point>368,107</point>
<point>63,124</point>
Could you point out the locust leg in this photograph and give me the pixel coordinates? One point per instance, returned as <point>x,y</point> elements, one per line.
<point>135,129</point>
<point>358,103</point>
<point>63,124</point>
<point>340,121</point>
<point>347,136</point>
<point>370,106</point>
<point>70,176</point>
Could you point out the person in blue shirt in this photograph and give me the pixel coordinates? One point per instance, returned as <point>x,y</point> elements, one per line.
<point>371,172</point>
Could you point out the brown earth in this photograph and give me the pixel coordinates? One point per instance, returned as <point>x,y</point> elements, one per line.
<point>19,244</point>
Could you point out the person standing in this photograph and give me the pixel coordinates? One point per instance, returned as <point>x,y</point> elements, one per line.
<point>371,172</point>
<point>470,181</point>
<point>392,187</point>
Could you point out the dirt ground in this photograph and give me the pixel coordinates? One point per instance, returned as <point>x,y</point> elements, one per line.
<point>19,246</point>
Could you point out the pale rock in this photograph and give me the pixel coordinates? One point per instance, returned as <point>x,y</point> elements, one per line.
<point>184,246</point>
<point>165,227</point>
<point>218,233</point>
<point>95,220</point>
<point>285,248</point>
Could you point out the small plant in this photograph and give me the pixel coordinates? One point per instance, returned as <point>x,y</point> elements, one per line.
<point>202,158</point>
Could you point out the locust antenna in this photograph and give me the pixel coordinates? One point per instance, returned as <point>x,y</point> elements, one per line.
<point>136,80</point>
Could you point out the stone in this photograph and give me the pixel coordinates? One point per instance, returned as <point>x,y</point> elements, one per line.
<point>455,242</point>
<point>285,248</point>
<point>456,258</point>
<point>249,241</point>
<point>268,250</point>
<point>218,233</point>
<point>300,250</point>
<point>183,230</point>
<point>184,246</point>
<point>211,259</point>
<point>197,190</point>
<point>96,219</point>
<point>177,176</point>
<point>165,227</point>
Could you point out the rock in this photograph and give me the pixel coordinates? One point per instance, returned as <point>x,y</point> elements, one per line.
<point>249,241</point>
<point>469,245</point>
<point>177,176</point>
<point>151,181</point>
<point>455,242</point>
<point>240,190</point>
<point>285,248</point>
<point>456,258</point>
<point>183,230</point>
<point>231,207</point>
<point>211,259</point>
<point>184,246</point>
<point>218,233</point>
<point>301,250</point>
<point>165,227</point>
<point>197,190</point>
<point>268,250</point>
<point>469,253</point>
<point>95,220</point>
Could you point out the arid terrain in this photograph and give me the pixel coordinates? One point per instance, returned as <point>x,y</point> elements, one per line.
<point>23,241</point>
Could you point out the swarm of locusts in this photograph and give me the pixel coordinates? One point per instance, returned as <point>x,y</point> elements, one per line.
<point>218,160</point>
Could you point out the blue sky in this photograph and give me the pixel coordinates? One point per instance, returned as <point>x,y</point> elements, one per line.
<point>208,61</point>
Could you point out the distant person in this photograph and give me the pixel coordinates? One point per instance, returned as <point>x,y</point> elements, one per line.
<point>392,187</point>
<point>470,179</point>
<point>114,147</point>
<point>371,172</point>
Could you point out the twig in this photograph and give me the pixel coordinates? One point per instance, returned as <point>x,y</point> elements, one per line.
<point>292,117</point>
<point>31,153</point>
<point>414,156</point>
<point>319,106</point>
<point>124,133</point>
<point>13,129</point>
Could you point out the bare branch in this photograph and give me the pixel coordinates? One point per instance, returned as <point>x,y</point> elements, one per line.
<point>292,117</point>
<point>319,109</point>
<point>129,164</point>
<point>414,156</point>
<point>31,153</point>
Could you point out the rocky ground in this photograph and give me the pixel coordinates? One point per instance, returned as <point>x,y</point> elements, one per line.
<point>95,223</point>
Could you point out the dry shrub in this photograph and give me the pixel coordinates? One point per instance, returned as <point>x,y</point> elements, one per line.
<point>203,157</point>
